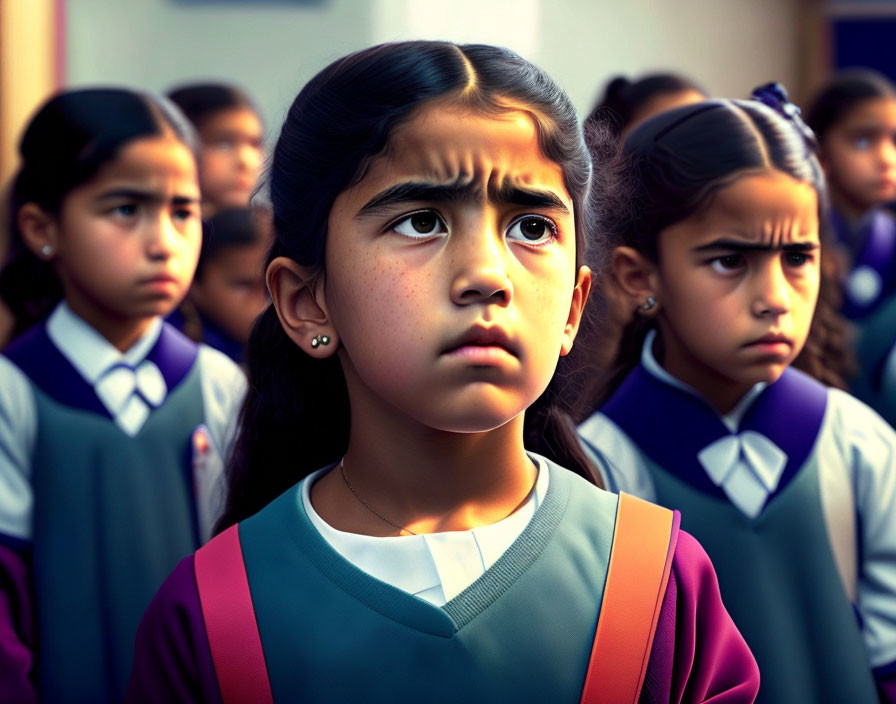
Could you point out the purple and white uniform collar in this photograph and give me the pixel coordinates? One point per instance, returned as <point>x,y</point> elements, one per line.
<point>746,456</point>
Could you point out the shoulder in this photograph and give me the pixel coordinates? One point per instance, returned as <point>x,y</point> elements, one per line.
<point>18,417</point>
<point>15,386</point>
<point>857,429</point>
<point>176,603</point>
<point>621,462</point>
<point>691,565</point>
<point>223,388</point>
<point>220,375</point>
<point>698,653</point>
<point>172,659</point>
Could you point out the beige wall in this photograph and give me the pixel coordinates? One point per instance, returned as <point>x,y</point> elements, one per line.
<point>28,68</point>
<point>272,47</point>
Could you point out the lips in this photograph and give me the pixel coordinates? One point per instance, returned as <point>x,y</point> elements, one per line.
<point>480,336</point>
<point>160,279</point>
<point>772,338</point>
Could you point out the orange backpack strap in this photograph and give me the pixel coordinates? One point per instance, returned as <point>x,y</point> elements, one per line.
<point>640,563</point>
<point>230,621</point>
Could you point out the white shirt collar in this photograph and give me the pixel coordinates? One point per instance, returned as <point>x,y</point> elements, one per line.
<point>435,566</point>
<point>731,419</point>
<point>90,353</point>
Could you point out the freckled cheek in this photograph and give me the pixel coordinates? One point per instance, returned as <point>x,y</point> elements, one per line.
<point>386,309</point>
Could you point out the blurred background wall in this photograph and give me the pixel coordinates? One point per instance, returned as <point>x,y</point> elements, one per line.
<point>271,47</point>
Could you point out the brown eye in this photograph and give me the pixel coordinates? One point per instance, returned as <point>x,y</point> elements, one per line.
<point>419,225</point>
<point>532,229</point>
<point>424,223</point>
<point>728,263</point>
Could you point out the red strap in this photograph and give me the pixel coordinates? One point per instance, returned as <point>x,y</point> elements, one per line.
<point>230,621</point>
<point>640,563</point>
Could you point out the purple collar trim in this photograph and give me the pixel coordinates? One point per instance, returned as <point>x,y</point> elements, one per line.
<point>36,355</point>
<point>672,425</point>
<point>877,240</point>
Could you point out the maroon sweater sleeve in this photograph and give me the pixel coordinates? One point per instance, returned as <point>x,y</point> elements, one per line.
<point>16,628</point>
<point>172,660</point>
<point>698,654</point>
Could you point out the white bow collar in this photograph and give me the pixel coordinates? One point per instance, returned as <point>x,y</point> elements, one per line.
<point>746,466</point>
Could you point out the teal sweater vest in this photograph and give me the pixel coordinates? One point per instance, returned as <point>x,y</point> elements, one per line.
<point>522,632</point>
<point>113,514</point>
<point>804,635</point>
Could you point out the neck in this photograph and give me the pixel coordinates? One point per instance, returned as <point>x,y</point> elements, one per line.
<point>721,392</point>
<point>122,333</point>
<point>849,208</point>
<point>425,480</point>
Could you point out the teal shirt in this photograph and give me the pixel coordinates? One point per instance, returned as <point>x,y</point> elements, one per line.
<point>504,633</point>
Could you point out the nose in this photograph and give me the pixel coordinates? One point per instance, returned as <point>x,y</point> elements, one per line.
<point>888,152</point>
<point>480,269</point>
<point>772,295</point>
<point>248,156</point>
<point>161,237</point>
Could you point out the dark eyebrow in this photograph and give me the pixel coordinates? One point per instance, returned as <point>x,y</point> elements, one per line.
<point>869,128</point>
<point>415,192</point>
<point>144,196</point>
<point>738,246</point>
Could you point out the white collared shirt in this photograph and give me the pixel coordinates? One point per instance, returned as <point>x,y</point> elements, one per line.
<point>434,566</point>
<point>222,384</point>
<point>98,361</point>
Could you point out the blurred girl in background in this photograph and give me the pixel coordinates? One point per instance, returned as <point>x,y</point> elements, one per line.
<point>112,423</point>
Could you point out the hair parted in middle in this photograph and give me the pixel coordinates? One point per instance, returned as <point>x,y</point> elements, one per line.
<point>671,167</point>
<point>296,415</point>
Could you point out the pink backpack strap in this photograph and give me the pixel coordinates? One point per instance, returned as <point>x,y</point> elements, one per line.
<point>640,563</point>
<point>230,621</point>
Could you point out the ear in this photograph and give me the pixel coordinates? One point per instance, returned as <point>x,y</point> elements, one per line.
<point>576,308</point>
<point>297,295</point>
<point>637,278</point>
<point>39,230</point>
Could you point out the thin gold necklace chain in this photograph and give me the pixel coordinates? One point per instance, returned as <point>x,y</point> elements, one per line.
<point>367,505</point>
<point>401,527</point>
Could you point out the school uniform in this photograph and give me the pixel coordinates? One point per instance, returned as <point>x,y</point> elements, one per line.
<point>110,472</point>
<point>875,382</point>
<point>871,247</point>
<point>212,335</point>
<point>505,612</point>
<point>791,494</point>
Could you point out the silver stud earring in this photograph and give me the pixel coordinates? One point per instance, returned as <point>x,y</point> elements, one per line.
<point>319,340</point>
<point>648,304</point>
<point>46,250</point>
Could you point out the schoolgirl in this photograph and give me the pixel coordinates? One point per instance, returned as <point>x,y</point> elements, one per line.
<point>428,272</point>
<point>231,134</point>
<point>112,424</point>
<point>788,483</point>
<point>854,118</point>
<point>228,292</point>
<point>626,103</point>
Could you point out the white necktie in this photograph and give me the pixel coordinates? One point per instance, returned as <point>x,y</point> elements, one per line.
<point>129,393</point>
<point>747,467</point>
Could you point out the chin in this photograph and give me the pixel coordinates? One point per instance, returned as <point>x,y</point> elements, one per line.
<point>772,374</point>
<point>470,420</point>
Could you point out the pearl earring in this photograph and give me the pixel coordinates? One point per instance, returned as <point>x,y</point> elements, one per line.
<point>46,250</point>
<point>319,340</point>
<point>648,304</point>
